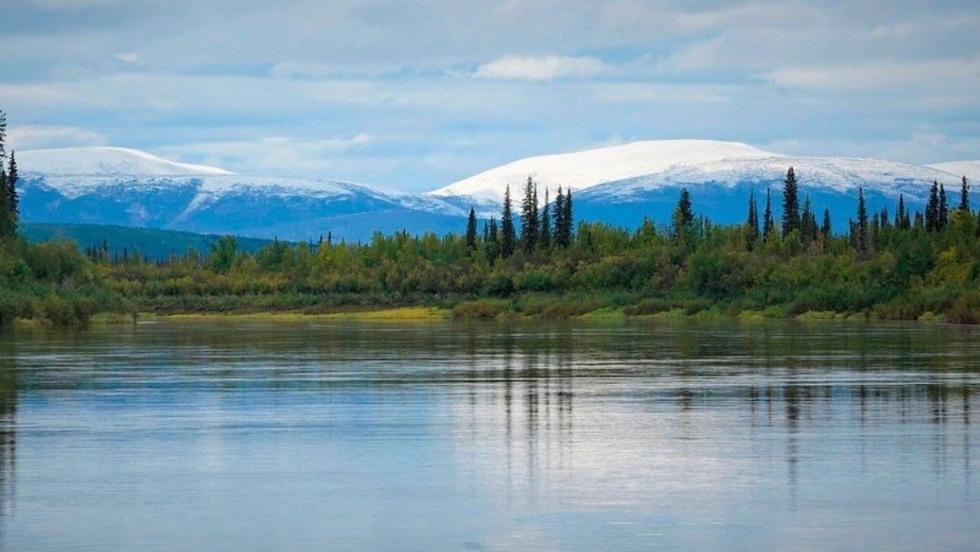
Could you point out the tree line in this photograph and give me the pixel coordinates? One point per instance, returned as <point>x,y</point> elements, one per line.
<point>537,260</point>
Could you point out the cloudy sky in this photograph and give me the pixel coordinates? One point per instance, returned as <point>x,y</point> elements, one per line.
<point>417,94</point>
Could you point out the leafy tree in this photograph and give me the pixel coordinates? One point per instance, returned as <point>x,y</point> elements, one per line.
<point>791,203</point>
<point>508,235</point>
<point>471,231</point>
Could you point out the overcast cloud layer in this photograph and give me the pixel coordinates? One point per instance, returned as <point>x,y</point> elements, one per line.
<point>417,94</point>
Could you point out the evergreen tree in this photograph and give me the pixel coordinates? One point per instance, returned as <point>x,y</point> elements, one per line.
<point>862,223</point>
<point>932,208</point>
<point>826,230</point>
<point>8,193</point>
<point>471,231</point>
<point>683,217</point>
<point>3,135</point>
<point>12,202</point>
<point>569,231</point>
<point>791,203</point>
<point>943,219</point>
<point>964,195</point>
<point>508,236</point>
<point>544,240</point>
<point>529,217</point>
<point>768,224</point>
<point>559,218</point>
<point>493,241</point>
<point>752,223</point>
<point>808,222</point>
<point>900,215</point>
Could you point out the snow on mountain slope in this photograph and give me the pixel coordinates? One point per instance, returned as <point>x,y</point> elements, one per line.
<point>836,174</point>
<point>581,170</point>
<point>132,188</point>
<point>74,172</point>
<point>106,162</point>
<point>970,169</point>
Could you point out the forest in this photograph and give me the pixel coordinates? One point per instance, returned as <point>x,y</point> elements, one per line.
<point>536,262</point>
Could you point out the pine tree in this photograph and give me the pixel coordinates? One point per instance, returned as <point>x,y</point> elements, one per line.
<point>964,196</point>
<point>683,218</point>
<point>862,223</point>
<point>544,240</point>
<point>943,219</point>
<point>529,217</point>
<point>932,208</point>
<point>808,222</point>
<point>826,230</point>
<point>900,214</point>
<point>471,231</point>
<point>508,236</point>
<point>569,230</point>
<point>13,209</point>
<point>791,203</point>
<point>752,222</point>
<point>768,224</point>
<point>559,218</point>
<point>493,241</point>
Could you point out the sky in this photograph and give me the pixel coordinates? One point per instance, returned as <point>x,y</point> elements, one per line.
<point>415,95</point>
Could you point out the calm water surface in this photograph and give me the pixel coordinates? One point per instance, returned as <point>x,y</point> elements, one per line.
<point>320,436</point>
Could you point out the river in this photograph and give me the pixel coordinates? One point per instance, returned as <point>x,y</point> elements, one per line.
<point>239,435</point>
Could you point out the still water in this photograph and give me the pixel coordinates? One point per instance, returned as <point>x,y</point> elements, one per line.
<point>640,436</point>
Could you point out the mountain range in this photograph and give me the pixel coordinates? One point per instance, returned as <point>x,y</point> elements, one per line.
<point>619,185</point>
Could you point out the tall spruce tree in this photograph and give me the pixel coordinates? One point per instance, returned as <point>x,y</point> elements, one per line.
<point>559,218</point>
<point>8,185</point>
<point>932,208</point>
<point>493,241</point>
<point>808,222</point>
<point>768,224</point>
<point>508,235</point>
<point>752,223</point>
<point>529,217</point>
<point>943,219</point>
<point>862,223</point>
<point>544,240</point>
<point>471,231</point>
<point>964,195</point>
<point>826,230</point>
<point>791,203</point>
<point>569,231</point>
<point>900,213</point>
<point>682,221</point>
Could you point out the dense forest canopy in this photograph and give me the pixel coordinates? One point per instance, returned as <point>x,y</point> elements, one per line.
<point>536,262</point>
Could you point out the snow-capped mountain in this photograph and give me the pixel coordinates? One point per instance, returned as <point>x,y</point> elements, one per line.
<point>969,169</point>
<point>132,188</point>
<point>623,184</point>
<point>620,185</point>
<point>585,169</point>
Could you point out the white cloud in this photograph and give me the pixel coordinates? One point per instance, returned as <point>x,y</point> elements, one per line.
<point>544,68</point>
<point>128,57</point>
<point>916,75</point>
<point>28,137</point>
